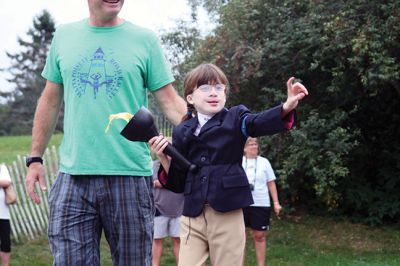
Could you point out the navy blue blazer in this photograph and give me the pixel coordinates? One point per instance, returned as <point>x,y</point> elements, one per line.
<point>218,151</point>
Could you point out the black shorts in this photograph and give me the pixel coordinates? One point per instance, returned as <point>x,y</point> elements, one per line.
<point>257,218</point>
<point>5,231</point>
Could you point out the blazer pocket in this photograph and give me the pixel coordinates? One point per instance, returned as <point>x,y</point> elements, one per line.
<point>234,181</point>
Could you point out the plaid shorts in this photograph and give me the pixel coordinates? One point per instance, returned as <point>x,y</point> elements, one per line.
<point>81,207</point>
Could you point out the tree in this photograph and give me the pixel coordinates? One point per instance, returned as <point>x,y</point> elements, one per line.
<point>343,156</point>
<point>26,67</point>
<point>179,44</point>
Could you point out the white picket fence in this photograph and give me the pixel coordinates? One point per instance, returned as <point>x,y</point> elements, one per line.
<point>29,220</point>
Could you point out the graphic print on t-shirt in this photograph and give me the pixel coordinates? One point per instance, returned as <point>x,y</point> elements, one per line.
<point>99,75</point>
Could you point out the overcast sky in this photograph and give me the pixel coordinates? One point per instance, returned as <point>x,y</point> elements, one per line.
<point>16,18</point>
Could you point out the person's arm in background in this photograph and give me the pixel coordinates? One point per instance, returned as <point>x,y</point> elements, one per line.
<point>5,178</point>
<point>274,195</point>
<point>4,183</point>
<point>156,167</point>
<point>46,115</point>
<point>172,105</point>
<point>157,184</point>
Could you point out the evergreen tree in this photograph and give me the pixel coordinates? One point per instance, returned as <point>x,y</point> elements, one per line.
<point>26,67</point>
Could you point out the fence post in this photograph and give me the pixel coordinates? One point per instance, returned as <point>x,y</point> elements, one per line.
<point>29,220</point>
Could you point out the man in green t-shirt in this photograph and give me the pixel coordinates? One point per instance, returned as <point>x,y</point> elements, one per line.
<point>100,66</point>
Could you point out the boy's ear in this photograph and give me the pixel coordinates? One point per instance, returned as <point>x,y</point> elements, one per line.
<point>189,98</point>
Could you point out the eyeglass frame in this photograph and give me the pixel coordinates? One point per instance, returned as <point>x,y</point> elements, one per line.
<point>207,87</point>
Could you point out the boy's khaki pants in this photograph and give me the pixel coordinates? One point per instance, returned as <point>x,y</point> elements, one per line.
<point>218,235</point>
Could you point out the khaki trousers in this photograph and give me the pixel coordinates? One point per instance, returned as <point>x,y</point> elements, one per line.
<point>218,235</point>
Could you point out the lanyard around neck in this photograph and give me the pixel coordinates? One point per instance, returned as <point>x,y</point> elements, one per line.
<point>255,170</point>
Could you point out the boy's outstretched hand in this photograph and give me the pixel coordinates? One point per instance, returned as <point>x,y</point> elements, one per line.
<point>296,92</point>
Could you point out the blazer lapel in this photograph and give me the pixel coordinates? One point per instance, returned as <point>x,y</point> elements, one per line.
<point>191,126</point>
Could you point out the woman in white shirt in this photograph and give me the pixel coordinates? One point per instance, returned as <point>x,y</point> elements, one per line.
<point>262,183</point>
<point>5,229</point>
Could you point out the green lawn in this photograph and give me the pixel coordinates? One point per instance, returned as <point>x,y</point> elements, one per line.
<point>305,241</point>
<point>324,241</point>
<point>12,146</point>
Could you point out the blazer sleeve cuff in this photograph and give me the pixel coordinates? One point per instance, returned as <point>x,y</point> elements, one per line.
<point>288,120</point>
<point>174,180</point>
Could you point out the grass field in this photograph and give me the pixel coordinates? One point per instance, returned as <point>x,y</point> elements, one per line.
<point>307,240</point>
<point>12,146</point>
<point>297,241</point>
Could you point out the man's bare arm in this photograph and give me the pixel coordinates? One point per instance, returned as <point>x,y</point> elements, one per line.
<point>46,115</point>
<point>172,105</point>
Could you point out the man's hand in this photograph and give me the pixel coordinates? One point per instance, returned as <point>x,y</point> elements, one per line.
<point>295,92</point>
<point>35,174</point>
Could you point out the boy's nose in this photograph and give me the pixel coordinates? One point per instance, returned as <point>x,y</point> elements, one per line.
<point>213,90</point>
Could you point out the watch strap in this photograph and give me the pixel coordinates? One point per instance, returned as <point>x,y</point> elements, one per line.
<point>30,160</point>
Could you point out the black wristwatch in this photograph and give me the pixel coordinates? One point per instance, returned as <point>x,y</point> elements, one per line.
<point>30,160</point>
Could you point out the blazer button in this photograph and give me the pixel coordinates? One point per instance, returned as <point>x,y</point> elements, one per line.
<point>203,159</point>
<point>203,179</point>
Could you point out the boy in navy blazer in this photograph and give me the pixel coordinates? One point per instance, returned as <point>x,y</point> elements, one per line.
<point>213,139</point>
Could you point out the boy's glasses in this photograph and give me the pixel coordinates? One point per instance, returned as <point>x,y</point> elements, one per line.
<point>208,87</point>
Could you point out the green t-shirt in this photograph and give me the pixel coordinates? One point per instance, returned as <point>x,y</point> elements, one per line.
<point>104,71</point>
